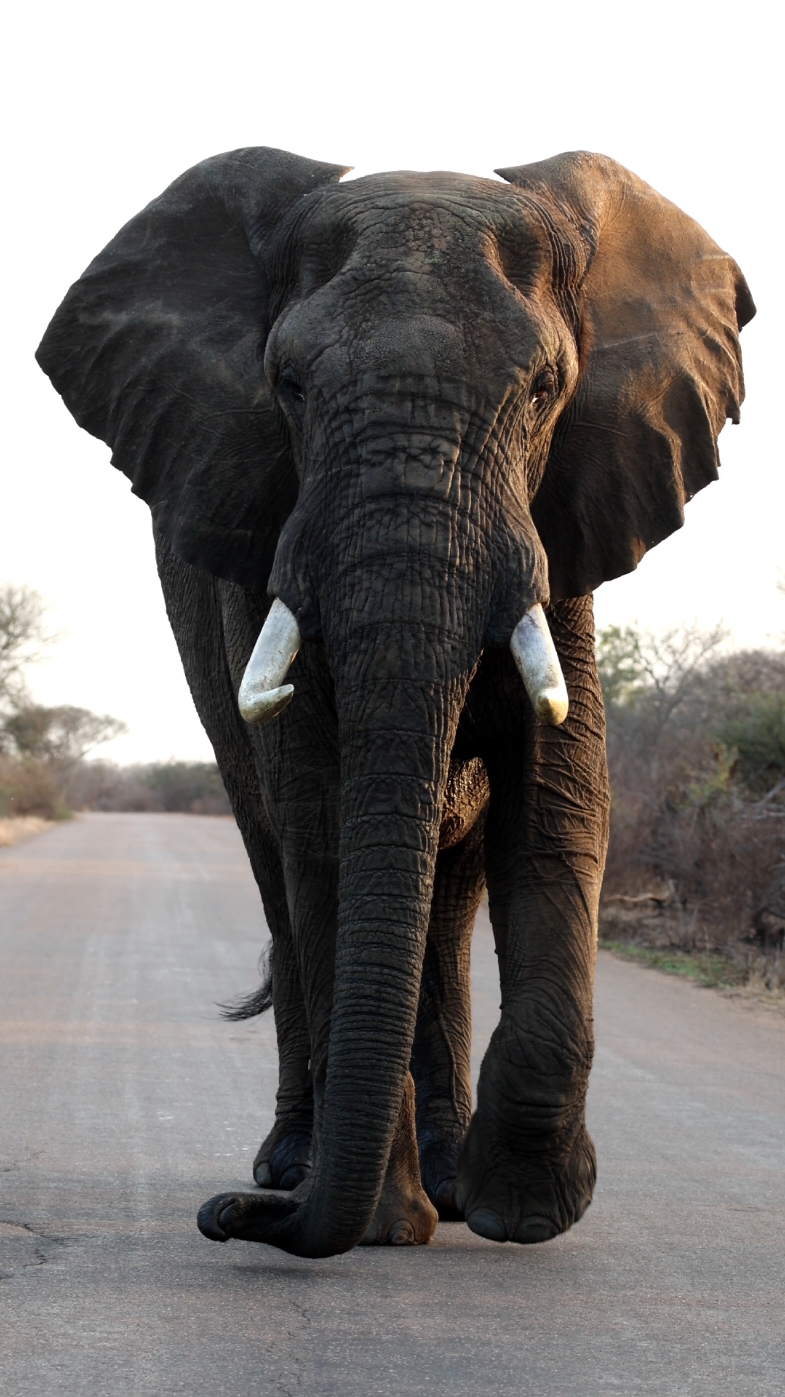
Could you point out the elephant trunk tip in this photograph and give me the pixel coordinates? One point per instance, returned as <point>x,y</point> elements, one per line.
<point>538,663</point>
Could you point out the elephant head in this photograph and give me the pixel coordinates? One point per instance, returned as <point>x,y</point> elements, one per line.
<point>414,408</point>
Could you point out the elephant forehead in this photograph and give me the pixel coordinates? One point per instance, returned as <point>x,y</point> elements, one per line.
<point>410,225</point>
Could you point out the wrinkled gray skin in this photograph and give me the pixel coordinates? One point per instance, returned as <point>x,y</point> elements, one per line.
<point>411,406</point>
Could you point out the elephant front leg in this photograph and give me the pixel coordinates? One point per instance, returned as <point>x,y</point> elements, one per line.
<point>528,1168</point>
<point>405,1215</point>
<point>441,1056</point>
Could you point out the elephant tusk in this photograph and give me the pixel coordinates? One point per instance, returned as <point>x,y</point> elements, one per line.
<point>535,655</point>
<point>263,693</point>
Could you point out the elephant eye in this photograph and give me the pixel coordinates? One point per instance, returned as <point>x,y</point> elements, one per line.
<point>542,390</point>
<point>291,388</point>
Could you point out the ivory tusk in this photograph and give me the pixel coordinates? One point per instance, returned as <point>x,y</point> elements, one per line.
<point>535,655</point>
<point>263,693</point>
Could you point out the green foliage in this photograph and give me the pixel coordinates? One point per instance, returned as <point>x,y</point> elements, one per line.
<point>712,972</point>
<point>757,734</point>
<point>61,735</point>
<point>714,781</point>
<point>620,663</point>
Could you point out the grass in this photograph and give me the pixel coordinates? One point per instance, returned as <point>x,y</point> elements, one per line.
<point>713,972</point>
<point>17,827</point>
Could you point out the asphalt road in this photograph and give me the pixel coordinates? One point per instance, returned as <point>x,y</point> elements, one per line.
<point>125,1101</point>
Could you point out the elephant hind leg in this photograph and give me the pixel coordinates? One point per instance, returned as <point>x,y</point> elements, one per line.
<point>404,1214</point>
<point>285,1156</point>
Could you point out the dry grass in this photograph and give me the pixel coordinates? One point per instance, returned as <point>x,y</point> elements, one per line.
<point>18,827</point>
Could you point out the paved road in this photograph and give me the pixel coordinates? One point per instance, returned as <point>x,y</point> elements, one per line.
<point>124,1102</point>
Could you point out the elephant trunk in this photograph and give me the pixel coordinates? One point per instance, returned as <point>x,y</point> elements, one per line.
<point>396,739</point>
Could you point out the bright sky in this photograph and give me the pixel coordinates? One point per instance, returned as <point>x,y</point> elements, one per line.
<point>106,104</point>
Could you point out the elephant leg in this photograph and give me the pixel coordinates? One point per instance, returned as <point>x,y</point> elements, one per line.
<point>527,1169</point>
<point>212,622</point>
<point>405,1215</point>
<point>441,1055</point>
<point>284,1157</point>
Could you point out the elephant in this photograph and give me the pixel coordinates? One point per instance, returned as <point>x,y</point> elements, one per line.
<point>394,432</point>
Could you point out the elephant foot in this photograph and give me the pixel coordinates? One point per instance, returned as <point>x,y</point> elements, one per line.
<point>284,1159</point>
<point>405,1216</point>
<point>527,1198</point>
<point>246,1216</point>
<point>439,1174</point>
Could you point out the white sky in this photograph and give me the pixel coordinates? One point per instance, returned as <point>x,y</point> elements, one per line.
<point>106,104</point>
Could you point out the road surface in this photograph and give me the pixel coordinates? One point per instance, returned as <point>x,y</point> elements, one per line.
<point>125,1101</point>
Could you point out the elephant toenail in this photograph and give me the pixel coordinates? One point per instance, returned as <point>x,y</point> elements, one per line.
<point>486,1223</point>
<point>209,1224</point>
<point>535,1229</point>
<point>263,1174</point>
<point>293,1176</point>
<point>401,1235</point>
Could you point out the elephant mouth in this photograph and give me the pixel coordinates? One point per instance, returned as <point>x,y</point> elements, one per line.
<point>264,692</point>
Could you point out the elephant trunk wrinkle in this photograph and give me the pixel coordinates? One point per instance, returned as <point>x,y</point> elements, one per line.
<point>392,784</point>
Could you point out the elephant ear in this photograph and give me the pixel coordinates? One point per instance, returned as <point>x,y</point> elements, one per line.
<point>660,307</point>
<point>158,350</point>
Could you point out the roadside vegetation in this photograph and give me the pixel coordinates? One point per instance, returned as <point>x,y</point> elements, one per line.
<point>44,771</point>
<point>695,879</point>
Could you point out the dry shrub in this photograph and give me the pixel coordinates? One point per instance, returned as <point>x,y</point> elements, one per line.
<point>29,787</point>
<point>193,788</point>
<point>696,751</point>
<point>50,791</point>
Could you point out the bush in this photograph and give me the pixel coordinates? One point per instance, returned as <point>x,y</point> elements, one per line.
<point>193,788</point>
<point>757,735</point>
<point>696,751</point>
<point>43,772</point>
<point>30,787</point>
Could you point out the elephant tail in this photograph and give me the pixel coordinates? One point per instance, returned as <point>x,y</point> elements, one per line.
<point>260,1000</point>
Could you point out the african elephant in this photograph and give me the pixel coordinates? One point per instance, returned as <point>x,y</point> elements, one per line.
<point>416,410</point>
